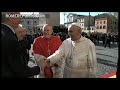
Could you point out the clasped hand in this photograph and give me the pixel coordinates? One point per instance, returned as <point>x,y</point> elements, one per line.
<point>42,63</point>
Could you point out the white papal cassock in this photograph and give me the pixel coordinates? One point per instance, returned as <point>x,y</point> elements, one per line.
<point>79,56</point>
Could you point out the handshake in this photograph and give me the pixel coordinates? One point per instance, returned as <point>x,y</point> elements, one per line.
<point>41,61</point>
<point>44,64</point>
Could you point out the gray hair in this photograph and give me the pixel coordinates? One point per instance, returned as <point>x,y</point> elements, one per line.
<point>45,26</point>
<point>21,26</point>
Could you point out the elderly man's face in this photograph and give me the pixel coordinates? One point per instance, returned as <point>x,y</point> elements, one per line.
<point>16,22</point>
<point>74,33</point>
<point>47,31</point>
<point>20,32</point>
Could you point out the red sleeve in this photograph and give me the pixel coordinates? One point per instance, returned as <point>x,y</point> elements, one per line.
<point>36,47</point>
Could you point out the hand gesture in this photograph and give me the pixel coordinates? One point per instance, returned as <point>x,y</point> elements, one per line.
<point>41,63</point>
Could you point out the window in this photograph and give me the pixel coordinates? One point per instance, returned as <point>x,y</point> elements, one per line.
<point>35,21</point>
<point>28,22</point>
<point>97,22</point>
<point>71,18</point>
<point>100,27</point>
<point>82,20</point>
<point>97,27</point>
<point>104,27</point>
<point>104,22</point>
<point>68,19</point>
<point>78,20</point>
<point>100,22</point>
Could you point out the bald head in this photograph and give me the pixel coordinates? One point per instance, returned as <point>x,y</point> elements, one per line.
<point>46,25</point>
<point>76,26</point>
<point>74,31</point>
<point>47,30</point>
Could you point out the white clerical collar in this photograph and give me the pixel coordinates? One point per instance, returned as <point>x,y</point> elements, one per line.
<point>79,40</point>
<point>10,27</point>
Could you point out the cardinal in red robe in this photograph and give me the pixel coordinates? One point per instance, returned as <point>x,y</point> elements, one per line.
<point>45,46</point>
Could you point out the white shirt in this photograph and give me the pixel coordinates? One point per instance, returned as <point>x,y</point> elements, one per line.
<point>80,58</point>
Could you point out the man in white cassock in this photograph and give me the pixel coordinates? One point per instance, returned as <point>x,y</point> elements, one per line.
<point>79,54</point>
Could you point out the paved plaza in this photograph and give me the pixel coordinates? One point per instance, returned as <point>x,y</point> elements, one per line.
<point>107,59</point>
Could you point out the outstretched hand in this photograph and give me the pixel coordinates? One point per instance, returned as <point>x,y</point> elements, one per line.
<point>42,63</point>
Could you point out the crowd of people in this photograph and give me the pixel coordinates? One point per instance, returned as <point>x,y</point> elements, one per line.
<point>106,38</point>
<point>96,37</point>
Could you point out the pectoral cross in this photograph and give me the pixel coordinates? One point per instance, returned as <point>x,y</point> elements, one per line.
<point>49,51</point>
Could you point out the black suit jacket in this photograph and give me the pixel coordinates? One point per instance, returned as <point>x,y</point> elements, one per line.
<point>13,62</point>
<point>24,49</point>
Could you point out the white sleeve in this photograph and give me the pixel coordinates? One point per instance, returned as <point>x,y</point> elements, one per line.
<point>38,57</point>
<point>55,57</point>
<point>92,62</point>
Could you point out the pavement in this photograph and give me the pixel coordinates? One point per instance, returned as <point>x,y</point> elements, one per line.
<point>107,59</point>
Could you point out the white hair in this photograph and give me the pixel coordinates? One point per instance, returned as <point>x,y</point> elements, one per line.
<point>75,24</point>
<point>45,26</point>
<point>21,26</point>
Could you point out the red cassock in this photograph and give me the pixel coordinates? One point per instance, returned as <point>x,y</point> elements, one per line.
<point>46,47</point>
